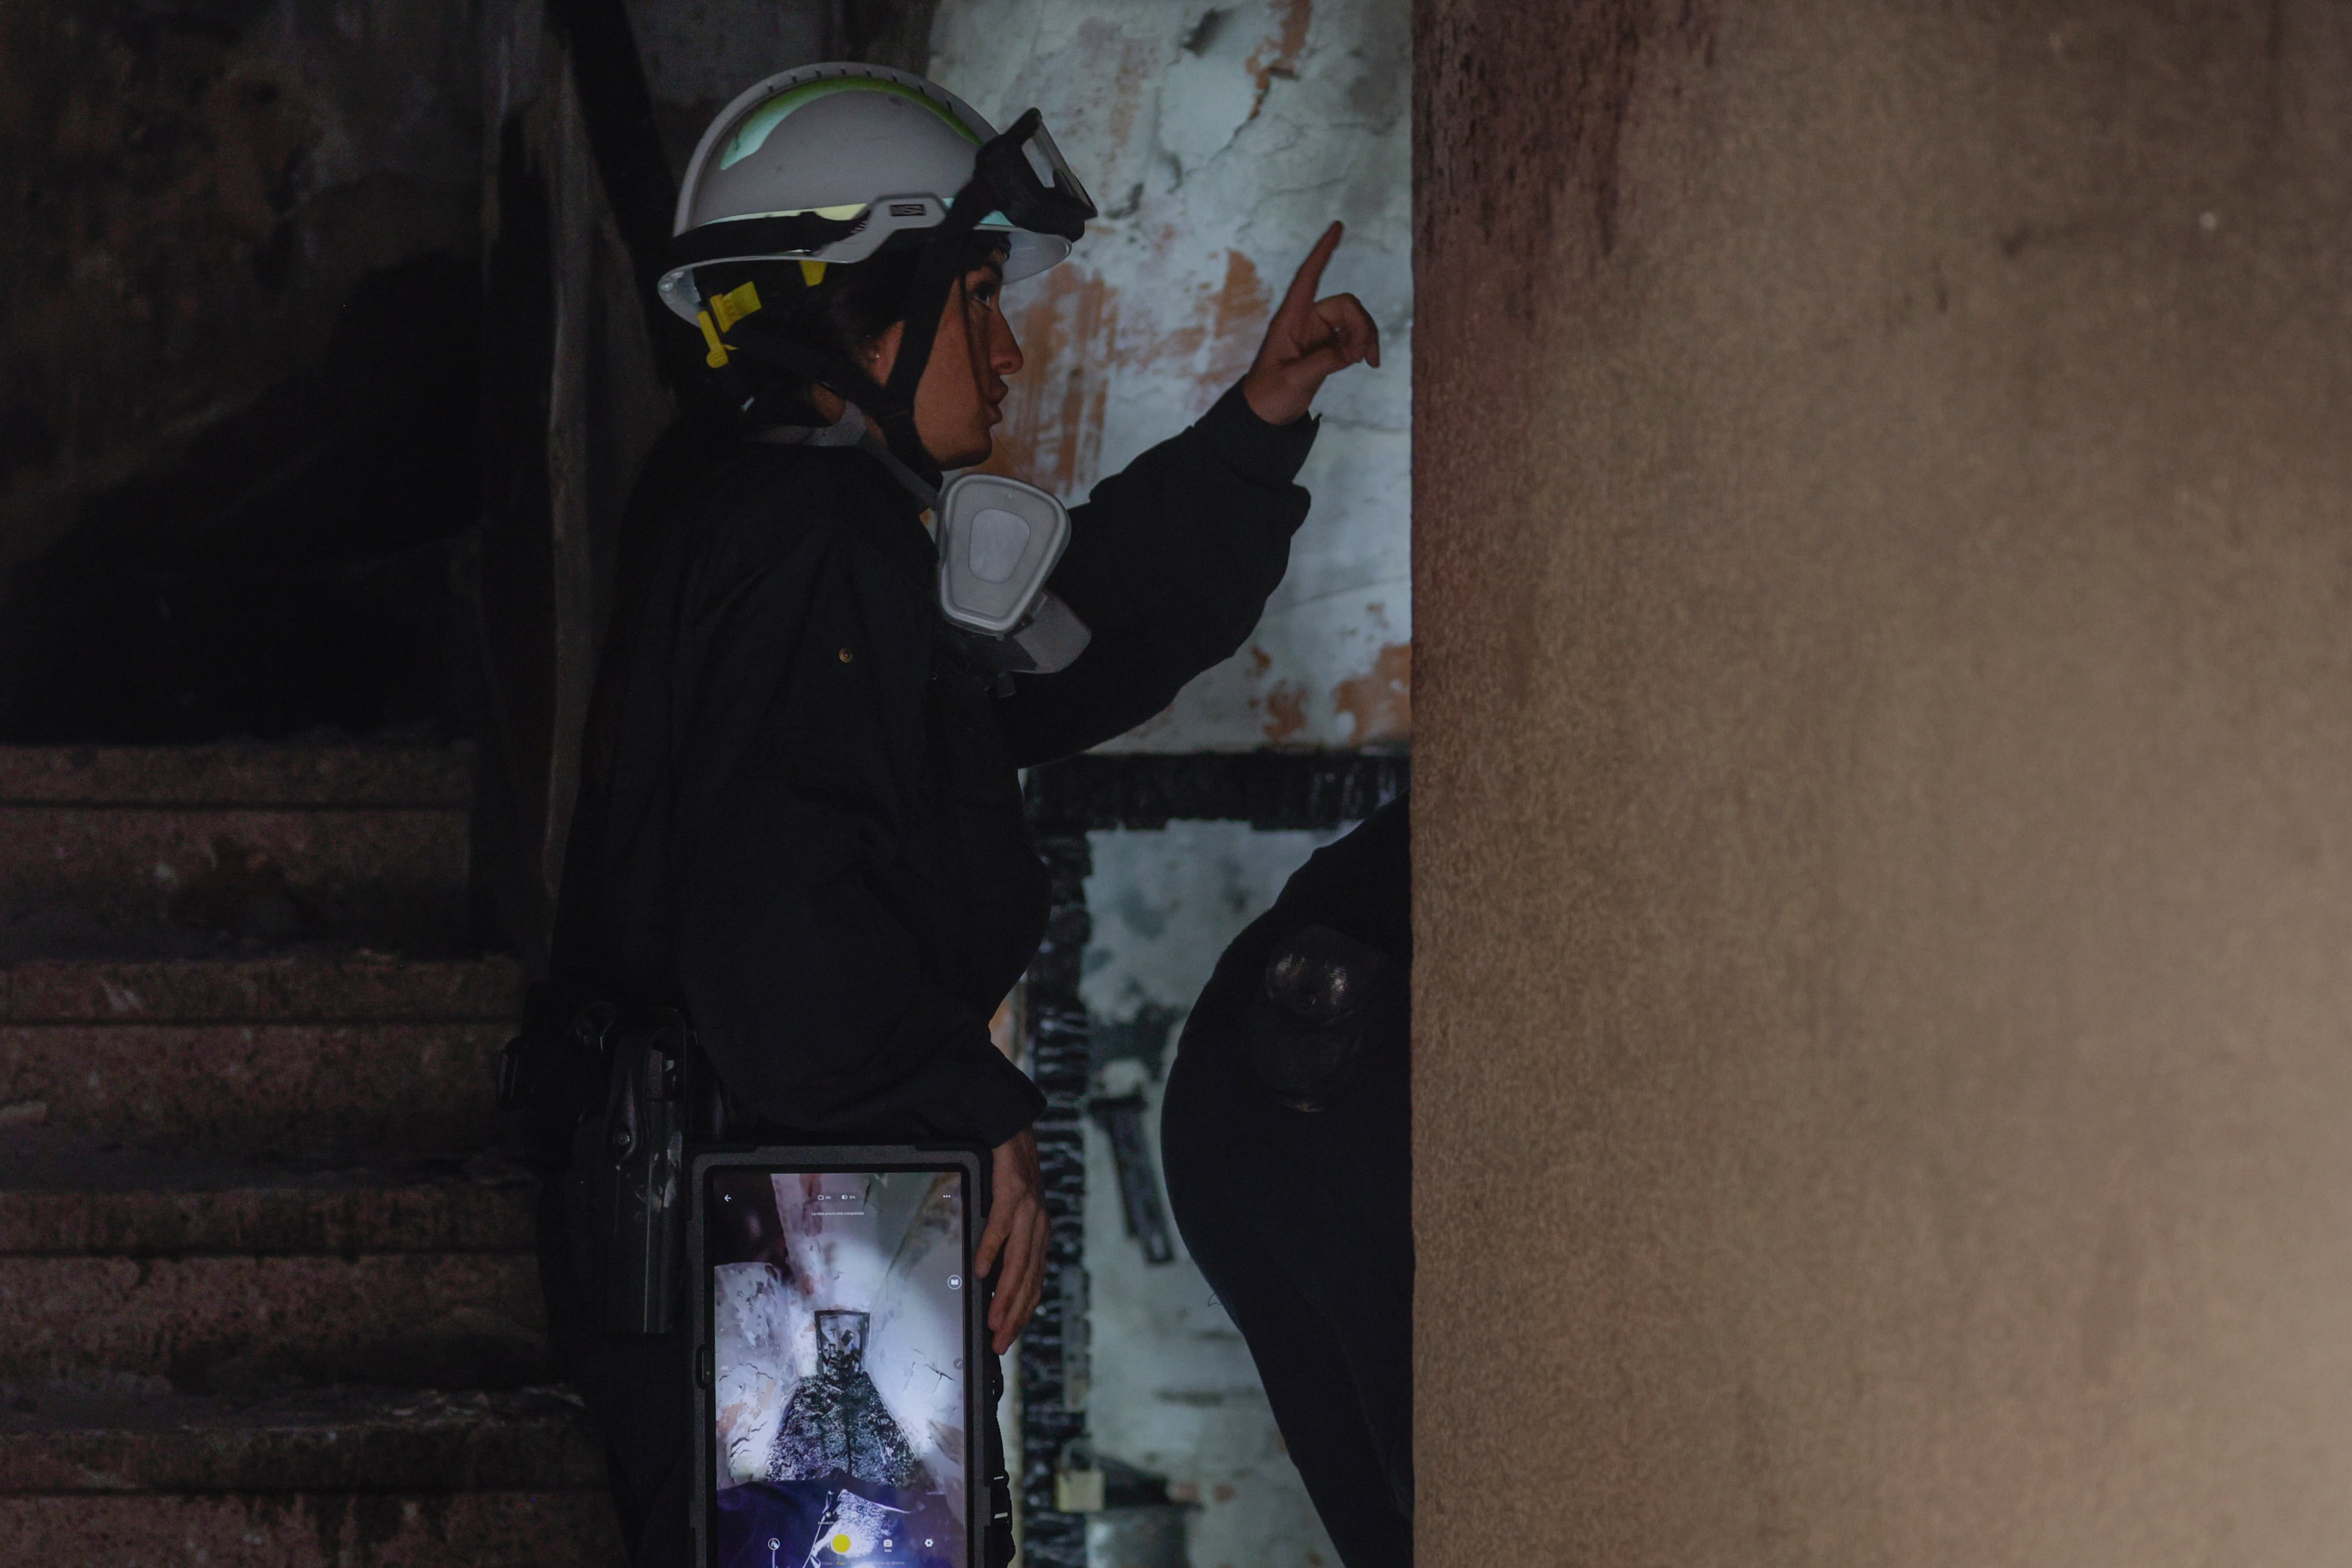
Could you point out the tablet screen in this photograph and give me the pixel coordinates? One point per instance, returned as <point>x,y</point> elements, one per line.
<point>838,1345</point>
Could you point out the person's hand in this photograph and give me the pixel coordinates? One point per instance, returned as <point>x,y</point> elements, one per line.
<point>1016,1234</point>
<point>1307,340</point>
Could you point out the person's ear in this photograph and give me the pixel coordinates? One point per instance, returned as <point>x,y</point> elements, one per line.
<point>882,352</point>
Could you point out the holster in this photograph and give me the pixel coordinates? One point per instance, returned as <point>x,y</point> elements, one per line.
<point>616,1099</point>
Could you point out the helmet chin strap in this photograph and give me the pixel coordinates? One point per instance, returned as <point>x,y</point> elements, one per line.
<point>889,405</point>
<point>937,272</point>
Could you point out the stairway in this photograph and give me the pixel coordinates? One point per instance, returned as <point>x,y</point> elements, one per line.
<point>266,1288</point>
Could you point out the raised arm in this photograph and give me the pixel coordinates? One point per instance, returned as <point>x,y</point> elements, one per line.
<point>1171,561</point>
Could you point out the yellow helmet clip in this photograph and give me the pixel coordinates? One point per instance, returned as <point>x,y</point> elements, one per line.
<point>730,308</point>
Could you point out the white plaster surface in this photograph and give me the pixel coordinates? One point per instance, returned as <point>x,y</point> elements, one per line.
<point>1174,1389</point>
<point>1219,141</point>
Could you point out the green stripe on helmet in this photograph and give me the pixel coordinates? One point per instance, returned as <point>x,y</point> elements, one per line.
<point>754,132</point>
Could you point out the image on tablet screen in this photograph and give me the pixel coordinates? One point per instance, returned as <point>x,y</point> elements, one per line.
<point>837,1351</point>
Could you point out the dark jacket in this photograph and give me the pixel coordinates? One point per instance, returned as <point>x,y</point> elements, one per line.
<point>806,825</point>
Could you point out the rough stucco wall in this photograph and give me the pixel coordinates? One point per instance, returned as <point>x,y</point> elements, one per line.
<point>1884,797</point>
<point>1219,140</point>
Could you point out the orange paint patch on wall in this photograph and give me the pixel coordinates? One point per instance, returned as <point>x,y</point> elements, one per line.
<point>1379,703</point>
<point>1285,708</point>
<point>1278,55</point>
<point>1216,346</point>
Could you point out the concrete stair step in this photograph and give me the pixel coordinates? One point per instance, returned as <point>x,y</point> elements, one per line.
<point>70,1197</point>
<point>366,1530</point>
<point>314,1530</point>
<point>391,875</point>
<point>252,773</point>
<point>60,1440</point>
<point>108,845</point>
<point>307,985</point>
<point>218,1323</point>
<point>325,1478</point>
<point>224,1318</point>
<point>256,1086</point>
<point>318,1050</point>
<point>154,1272</point>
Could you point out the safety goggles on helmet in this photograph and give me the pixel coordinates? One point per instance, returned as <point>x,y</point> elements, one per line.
<point>1034,186</point>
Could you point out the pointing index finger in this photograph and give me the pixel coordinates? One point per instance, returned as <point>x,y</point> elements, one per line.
<point>1310,272</point>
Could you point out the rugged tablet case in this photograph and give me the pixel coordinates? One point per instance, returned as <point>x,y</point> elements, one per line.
<point>865,1158</point>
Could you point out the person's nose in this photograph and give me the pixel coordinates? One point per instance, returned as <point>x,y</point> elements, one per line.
<point>1004,348</point>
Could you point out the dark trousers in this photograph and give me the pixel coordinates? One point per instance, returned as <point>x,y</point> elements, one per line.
<point>1302,1223</point>
<point>640,1388</point>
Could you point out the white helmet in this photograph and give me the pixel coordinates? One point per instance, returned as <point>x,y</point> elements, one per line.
<point>826,162</point>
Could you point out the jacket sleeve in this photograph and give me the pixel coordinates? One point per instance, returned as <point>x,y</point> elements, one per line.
<point>806,986</point>
<point>1170,565</point>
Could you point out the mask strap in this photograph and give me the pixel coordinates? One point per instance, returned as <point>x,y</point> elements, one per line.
<point>924,492</point>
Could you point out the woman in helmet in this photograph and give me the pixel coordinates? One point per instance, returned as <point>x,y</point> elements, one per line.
<point>800,818</point>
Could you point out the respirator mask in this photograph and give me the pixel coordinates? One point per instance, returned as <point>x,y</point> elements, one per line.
<point>998,541</point>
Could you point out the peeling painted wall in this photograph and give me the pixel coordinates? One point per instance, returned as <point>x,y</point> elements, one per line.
<point>1174,1389</point>
<point>1218,141</point>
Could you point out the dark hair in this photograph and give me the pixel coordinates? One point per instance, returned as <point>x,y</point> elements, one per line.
<point>855,303</point>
